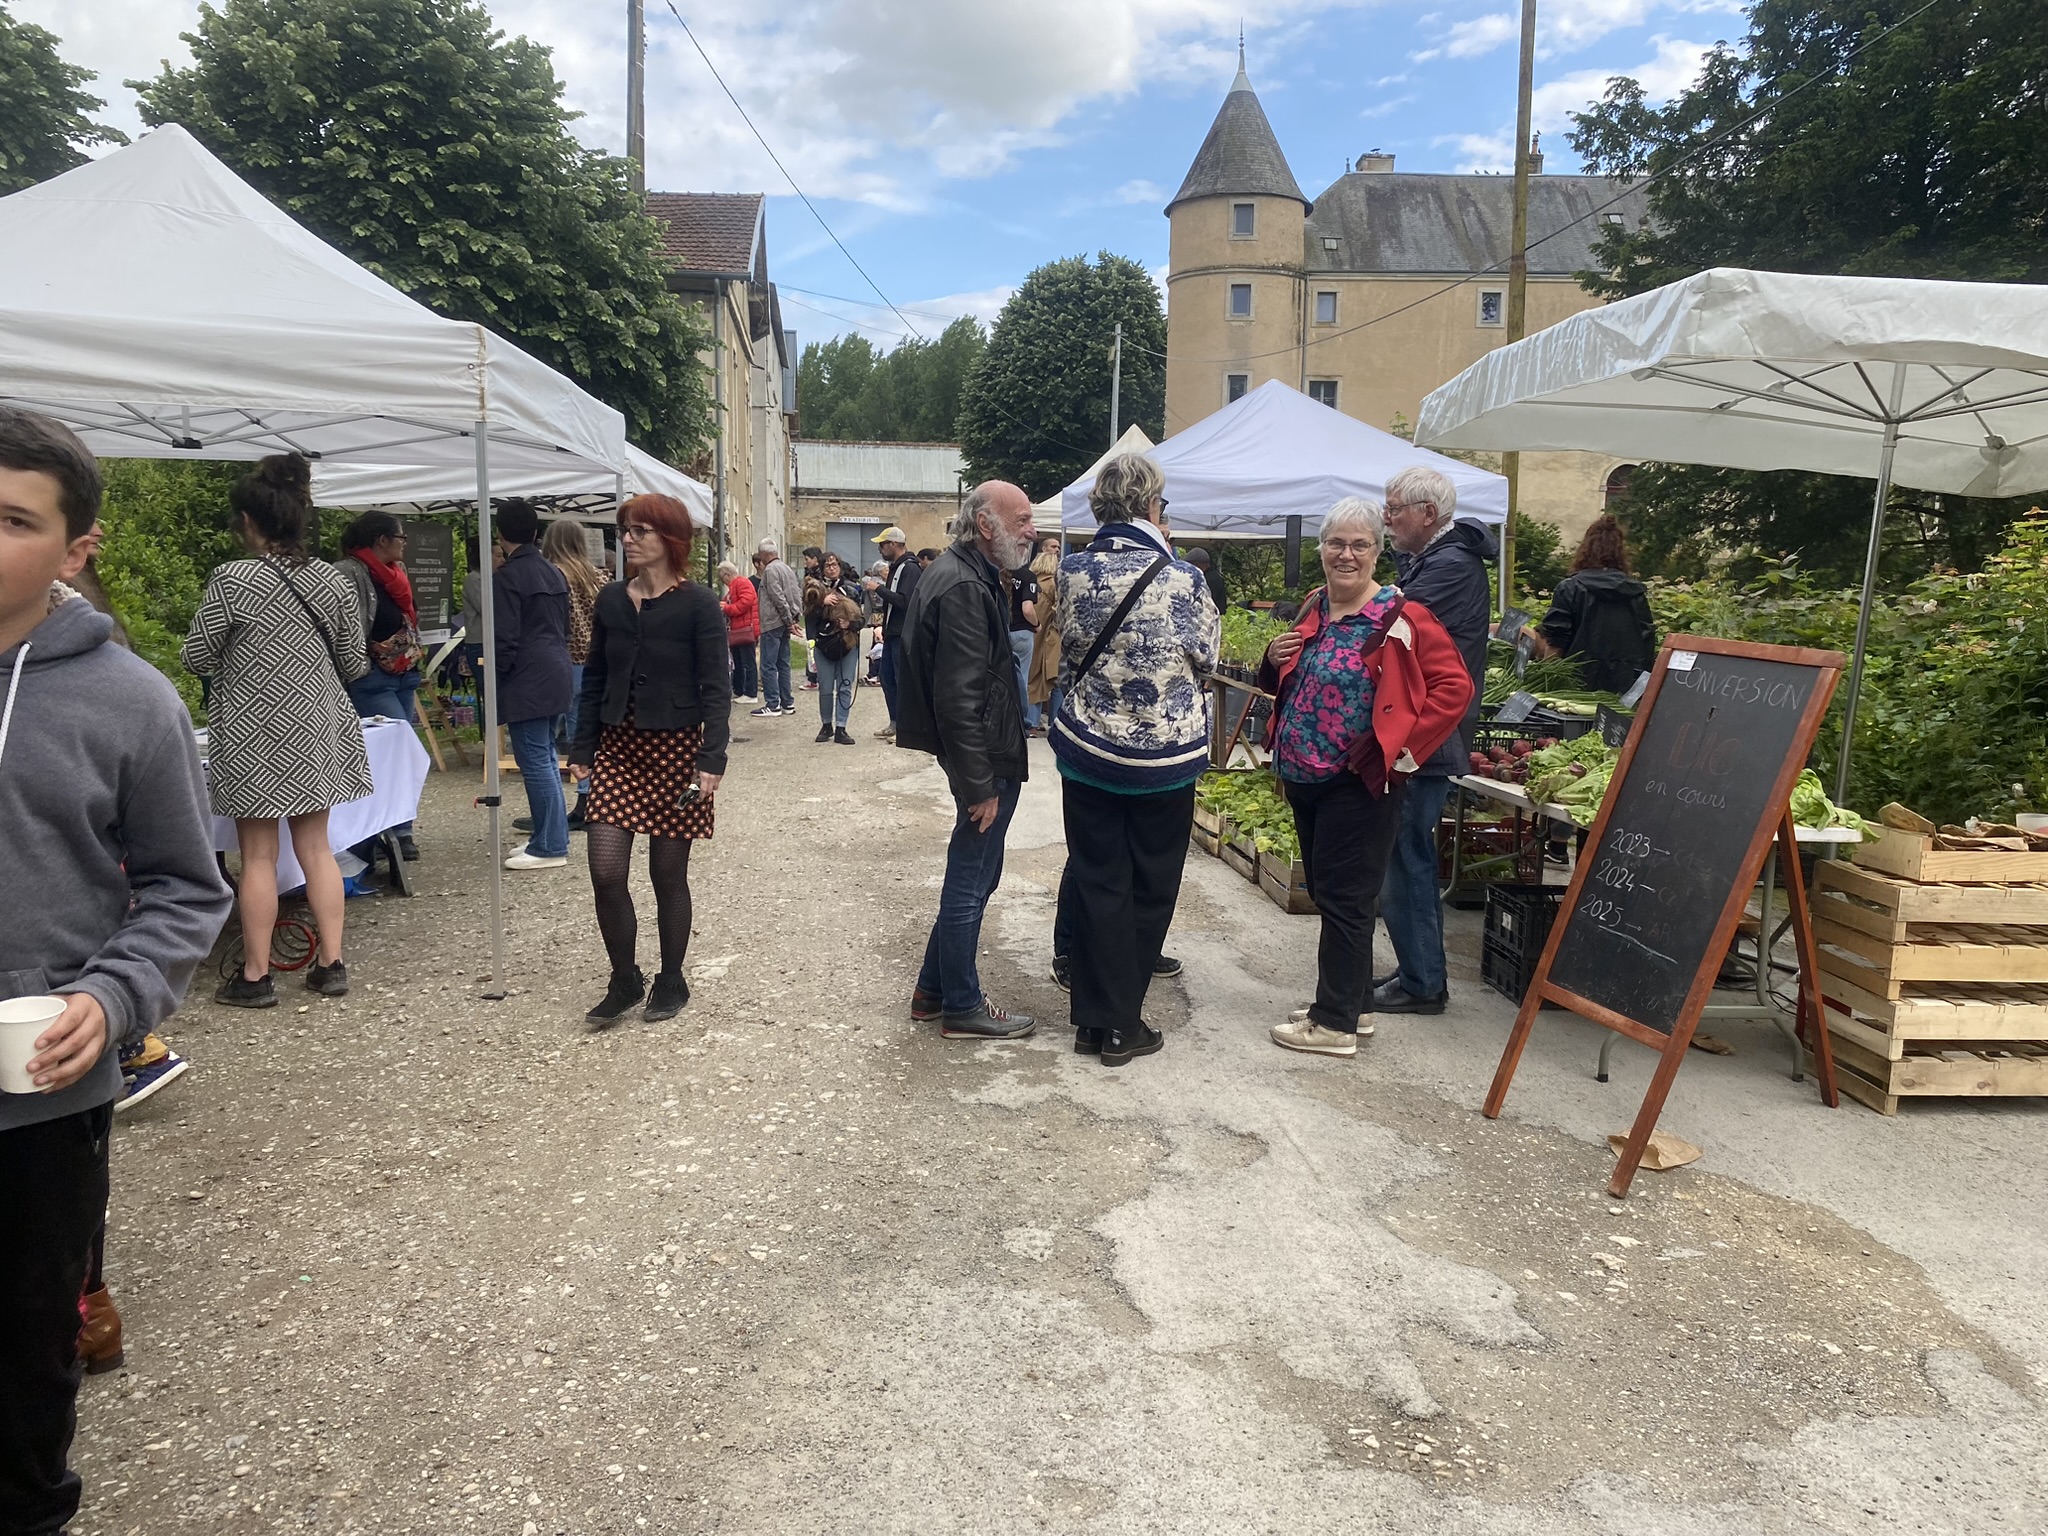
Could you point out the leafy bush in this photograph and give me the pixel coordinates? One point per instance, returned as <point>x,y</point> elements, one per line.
<point>1953,719</point>
<point>166,529</point>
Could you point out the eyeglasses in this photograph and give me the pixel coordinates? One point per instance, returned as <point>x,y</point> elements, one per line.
<point>639,531</point>
<point>1358,547</point>
<point>1410,506</point>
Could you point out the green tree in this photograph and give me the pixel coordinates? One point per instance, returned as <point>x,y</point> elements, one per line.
<point>167,527</point>
<point>1925,155</point>
<point>1037,403</point>
<point>423,143</point>
<point>45,113</point>
<point>851,390</point>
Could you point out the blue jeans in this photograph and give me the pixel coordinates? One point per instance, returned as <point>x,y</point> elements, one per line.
<point>775,690</point>
<point>1410,903</point>
<point>974,868</point>
<point>836,682</point>
<point>1021,642</point>
<point>378,692</point>
<point>533,748</point>
<point>888,670</point>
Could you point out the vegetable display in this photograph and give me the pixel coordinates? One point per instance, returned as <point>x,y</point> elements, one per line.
<point>1246,635</point>
<point>1811,807</point>
<point>1255,805</point>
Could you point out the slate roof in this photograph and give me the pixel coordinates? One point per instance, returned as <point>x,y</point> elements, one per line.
<point>1240,157</point>
<point>715,233</point>
<point>1388,221</point>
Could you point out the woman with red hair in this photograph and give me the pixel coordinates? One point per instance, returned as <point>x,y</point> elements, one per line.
<point>1600,614</point>
<point>652,726</point>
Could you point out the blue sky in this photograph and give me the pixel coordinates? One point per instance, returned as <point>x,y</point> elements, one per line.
<point>955,144</point>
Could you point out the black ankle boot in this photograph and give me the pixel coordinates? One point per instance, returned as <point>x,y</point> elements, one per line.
<point>627,988</point>
<point>667,997</point>
<point>1119,1046</point>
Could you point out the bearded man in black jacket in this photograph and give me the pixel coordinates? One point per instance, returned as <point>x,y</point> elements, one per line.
<point>957,699</point>
<point>1446,566</point>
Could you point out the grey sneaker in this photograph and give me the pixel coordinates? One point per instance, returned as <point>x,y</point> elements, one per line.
<point>887,732</point>
<point>1300,1016</point>
<point>988,1022</point>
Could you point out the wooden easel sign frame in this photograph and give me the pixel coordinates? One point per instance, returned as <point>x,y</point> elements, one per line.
<point>1695,801</point>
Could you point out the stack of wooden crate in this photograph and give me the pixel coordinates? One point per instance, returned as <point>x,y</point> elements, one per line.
<point>1941,956</point>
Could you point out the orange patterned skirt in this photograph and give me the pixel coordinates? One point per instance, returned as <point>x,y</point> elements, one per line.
<point>638,778</point>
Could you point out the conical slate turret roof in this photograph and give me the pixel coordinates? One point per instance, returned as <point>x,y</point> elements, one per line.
<point>1240,157</point>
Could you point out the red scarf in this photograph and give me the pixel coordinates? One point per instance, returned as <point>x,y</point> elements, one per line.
<point>396,584</point>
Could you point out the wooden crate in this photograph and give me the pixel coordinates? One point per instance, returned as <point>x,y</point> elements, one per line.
<point>1211,822</point>
<point>1243,856</point>
<point>1956,1069</point>
<point>1285,882</point>
<point>1914,856</point>
<point>1884,905</point>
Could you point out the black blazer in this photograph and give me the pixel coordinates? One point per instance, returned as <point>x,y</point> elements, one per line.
<point>666,661</point>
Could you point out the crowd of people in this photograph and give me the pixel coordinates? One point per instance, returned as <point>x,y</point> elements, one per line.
<point>975,648</point>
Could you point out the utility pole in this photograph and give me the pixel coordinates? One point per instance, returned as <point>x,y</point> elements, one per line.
<point>1116,383</point>
<point>636,91</point>
<point>1518,275</point>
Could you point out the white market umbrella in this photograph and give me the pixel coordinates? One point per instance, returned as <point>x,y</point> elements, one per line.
<point>162,308</point>
<point>1045,515</point>
<point>1273,455</point>
<point>1937,386</point>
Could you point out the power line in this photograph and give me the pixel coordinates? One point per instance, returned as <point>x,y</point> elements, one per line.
<point>842,319</point>
<point>1591,213</point>
<point>840,298</point>
<point>799,191</point>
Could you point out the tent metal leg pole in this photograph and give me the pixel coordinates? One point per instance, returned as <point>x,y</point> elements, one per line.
<point>618,544</point>
<point>493,845</point>
<point>1884,490</point>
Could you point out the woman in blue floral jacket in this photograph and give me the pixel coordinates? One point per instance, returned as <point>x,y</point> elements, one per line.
<point>1131,738</point>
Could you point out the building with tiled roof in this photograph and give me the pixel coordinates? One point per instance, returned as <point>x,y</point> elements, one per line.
<point>718,250</point>
<point>1368,296</point>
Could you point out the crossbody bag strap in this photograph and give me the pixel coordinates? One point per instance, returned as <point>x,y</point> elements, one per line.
<point>1116,619</point>
<point>326,637</point>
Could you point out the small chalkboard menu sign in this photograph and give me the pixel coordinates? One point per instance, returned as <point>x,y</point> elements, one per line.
<point>1701,788</point>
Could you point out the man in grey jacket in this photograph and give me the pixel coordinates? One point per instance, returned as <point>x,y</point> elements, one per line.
<point>109,899</point>
<point>957,699</point>
<point>782,610</point>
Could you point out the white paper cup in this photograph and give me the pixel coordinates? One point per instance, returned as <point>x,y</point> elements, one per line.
<point>22,1019</point>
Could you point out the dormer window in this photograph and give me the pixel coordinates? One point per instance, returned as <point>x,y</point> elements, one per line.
<point>1243,221</point>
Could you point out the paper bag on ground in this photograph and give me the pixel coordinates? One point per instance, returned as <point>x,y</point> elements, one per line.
<point>1663,1151</point>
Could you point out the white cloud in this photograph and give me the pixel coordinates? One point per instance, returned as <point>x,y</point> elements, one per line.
<point>1470,39</point>
<point>1667,73</point>
<point>1562,26</point>
<point>1481,151</point>
<point>1140,192</point>
<point>1387,108</point>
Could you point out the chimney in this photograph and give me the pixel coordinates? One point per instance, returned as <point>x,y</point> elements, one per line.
<point>1374,160</point>
<point>1535,154</point>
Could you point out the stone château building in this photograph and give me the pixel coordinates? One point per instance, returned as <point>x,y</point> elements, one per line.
<point>1369,296</point>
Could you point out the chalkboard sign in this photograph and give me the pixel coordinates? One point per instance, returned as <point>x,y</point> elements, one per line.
<point>1612,725</point>
<point>1700,790</point>
<point>1515,708</point>
<point>430,565</point>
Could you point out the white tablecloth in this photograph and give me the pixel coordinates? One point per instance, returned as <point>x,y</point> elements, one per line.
<point>398,768</point>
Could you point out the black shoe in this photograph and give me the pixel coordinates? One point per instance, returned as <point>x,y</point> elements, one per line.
<point>1087,1042</point>
<point>627,988</point>
<point>1386,980</point>
<point>988,1022</point>
<point>1063,973</point>
<point>1118,1047</point>
<point>240,992</point>
<point>327,980</point>
<point>844,737</point>
<point>666,998</point>
<point>576,816</point>
<point>522,823</point>
<point>824,733</point>
<point>408,850</point>
<point>1395,998</point>
<point>1166,965</point>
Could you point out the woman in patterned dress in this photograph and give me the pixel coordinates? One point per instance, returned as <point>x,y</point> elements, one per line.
<point>280,636</point>
<point>652,724</point>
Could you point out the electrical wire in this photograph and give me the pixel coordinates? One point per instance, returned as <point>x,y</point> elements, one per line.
<point>841,298</point>
<point>1633,189</point>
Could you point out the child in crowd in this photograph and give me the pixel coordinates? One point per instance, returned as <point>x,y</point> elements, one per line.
<point>109,899</point>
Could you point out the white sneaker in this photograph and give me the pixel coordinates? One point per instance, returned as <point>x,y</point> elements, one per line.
<point>1300,1016</point>
<point>524,860</point>
<point>1303,1034</point>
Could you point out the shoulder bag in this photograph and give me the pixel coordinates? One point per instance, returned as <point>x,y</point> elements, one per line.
<point>326,637</point>
<point>1116,619</point>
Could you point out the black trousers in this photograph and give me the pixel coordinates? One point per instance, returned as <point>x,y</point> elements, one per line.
<point>1125,854</point>
<point>1346,836</point>
<point>53,1200</point>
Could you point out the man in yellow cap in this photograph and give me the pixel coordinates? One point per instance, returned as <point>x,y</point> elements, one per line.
<point>895,590</point>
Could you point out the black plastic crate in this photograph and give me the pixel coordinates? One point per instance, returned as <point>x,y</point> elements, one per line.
<point>1518,919</point>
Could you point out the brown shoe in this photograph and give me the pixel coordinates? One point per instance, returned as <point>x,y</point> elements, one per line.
<point>99,1339</point>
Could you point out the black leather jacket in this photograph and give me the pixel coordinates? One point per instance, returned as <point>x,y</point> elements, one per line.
<point>957,678</point>
<point>667,661</point>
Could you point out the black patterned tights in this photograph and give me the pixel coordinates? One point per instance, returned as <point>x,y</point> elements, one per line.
<point>668,865</point>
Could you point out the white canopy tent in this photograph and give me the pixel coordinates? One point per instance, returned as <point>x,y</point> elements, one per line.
<point>428,486</point>
<point>1274,455</point>
<point>1938,386</point>
<point>1045,515</point>
<point>163,309</point>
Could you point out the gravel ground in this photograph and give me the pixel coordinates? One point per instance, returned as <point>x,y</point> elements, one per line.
<point>416,1262</point>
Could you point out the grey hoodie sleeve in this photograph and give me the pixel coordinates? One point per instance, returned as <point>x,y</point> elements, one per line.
<point>179,900</point>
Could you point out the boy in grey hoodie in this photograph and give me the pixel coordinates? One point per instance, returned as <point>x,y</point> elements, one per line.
<point>109,898</point>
